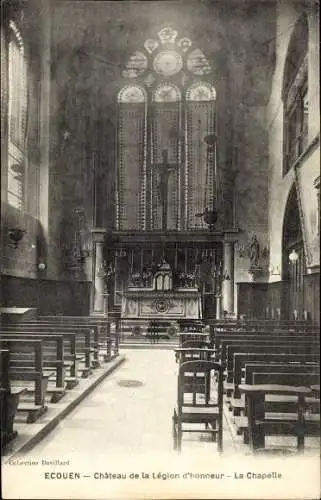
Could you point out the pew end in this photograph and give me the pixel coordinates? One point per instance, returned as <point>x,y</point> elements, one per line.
<point>262,423</point>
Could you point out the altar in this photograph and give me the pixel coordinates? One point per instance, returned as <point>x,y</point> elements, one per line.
<point>159,299</point>
<point>153,304</point>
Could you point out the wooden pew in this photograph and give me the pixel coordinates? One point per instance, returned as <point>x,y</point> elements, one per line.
<point>26,367</point>
<point>71,357</point>
<point>296,358</point>
<point>81,339</point>
<point>271,324</point>
<point>230,337</point>
<point>106,336</point>
<point>260,334</point>
<point>9,400</point>
<point>275,373</point>
<point>262,423</point>
<point>54,359</point>
<point>281,368</point>
<point>245,341</point>
<point>266,347</point>
<point>294,378</point>
<point>295,347</point>
<point>265,328</point>
<point>88,339</point>
<point>302,375</point>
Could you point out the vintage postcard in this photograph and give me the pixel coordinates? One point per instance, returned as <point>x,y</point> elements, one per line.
<point>160,262</point>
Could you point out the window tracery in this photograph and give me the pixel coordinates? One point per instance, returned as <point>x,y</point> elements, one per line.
<point>131,93</point>
<point>171,106</point>
<point>166,93</point>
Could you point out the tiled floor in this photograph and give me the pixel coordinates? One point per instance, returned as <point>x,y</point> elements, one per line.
<point>128,420</point>
<point>125,432</point>
<point>115,420</point>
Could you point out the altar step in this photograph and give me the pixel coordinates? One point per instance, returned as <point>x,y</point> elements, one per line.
<point>136,332</point>
<point>146,327</point>
<point>129,339</point>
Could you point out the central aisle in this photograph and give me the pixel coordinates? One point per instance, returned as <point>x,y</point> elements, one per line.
<point>120,418</point>
<point>117,444</point>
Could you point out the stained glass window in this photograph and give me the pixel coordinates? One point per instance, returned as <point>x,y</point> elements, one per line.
<point>295,95</point>
<point>167,35</point>
<point>136,65</point>
<point>151,45</point>
<point>201,92</point>
<point>168,63</point>
<point>165,119</point>
<point>131,156</point>
<point>17,116</point>
<point>165,125</point>
<point>131,93</point>
<point>167,93</point>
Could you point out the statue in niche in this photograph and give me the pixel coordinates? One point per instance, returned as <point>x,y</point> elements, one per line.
<point>254,252</point>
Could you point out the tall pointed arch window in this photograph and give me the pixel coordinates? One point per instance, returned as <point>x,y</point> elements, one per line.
<point>295,95</point>
<point>132,155</point>
<point>201,150</point>
<point>166,163</point>
<point>17,117</point>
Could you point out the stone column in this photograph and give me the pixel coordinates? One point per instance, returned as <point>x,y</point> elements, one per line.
<point>98,291</point>
<point>228,282</point>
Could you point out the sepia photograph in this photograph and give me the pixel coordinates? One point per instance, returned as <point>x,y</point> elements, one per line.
<point>160,250</point>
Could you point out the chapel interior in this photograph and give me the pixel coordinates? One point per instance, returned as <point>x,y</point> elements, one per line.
<point>160,164</point>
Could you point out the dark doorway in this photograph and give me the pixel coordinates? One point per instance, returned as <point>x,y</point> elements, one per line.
<point>294,266</point>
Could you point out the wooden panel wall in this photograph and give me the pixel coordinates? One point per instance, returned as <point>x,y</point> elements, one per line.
<point>252,299</point>
<point>48,296</point>
<point>276,300</point>
<point>257,300</point>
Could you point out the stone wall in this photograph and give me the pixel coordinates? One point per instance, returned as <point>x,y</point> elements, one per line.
<point>23,260</point>
<point>95,41</point>
<point>280,186</point>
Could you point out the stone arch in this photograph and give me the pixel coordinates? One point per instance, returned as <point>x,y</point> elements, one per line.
<point>293,271</point>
